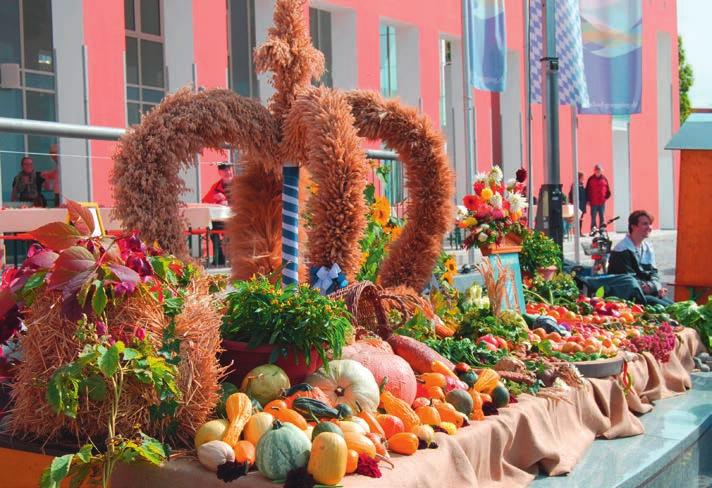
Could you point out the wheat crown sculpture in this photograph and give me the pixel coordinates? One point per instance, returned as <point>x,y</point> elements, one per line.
<point>315,129</point>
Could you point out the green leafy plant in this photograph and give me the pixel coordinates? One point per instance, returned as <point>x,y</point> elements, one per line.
<point>100,373</point>
<point>699,317</point>
<point>539,251</point>
<point>560,290</point>
<point>418,326</point>
<point>686,77</point>
<point>466,350</point>
<point>287,317</point>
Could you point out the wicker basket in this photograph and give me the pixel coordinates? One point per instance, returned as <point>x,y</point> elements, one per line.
<point>363,299</point>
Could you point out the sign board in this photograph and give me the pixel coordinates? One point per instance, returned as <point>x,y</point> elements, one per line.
<point>514,289</point>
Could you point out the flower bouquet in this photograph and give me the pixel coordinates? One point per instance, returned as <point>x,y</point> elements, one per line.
<point>495,211</point>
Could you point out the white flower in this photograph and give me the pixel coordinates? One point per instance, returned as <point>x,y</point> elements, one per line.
<point>496,200</point>
<point>517,202</point>
<point>484,226</point>
<point>495,174</point>
<point>482,237</point>
<point>480,177</point>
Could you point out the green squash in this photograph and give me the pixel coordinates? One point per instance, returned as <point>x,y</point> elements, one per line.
<point>326,427</point>
<point>500,395</point>
<point>281,450</point>
<point>468,377</point>
<point>265,383</point>
<point>461,400</point>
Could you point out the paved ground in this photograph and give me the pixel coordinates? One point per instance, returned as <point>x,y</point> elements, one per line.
<point>664,243</point>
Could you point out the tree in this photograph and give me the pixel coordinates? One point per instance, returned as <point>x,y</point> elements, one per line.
<point>687,78</point>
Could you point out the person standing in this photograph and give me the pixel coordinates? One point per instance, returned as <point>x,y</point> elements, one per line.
<point>582,200</point>
<point>219,194</point>
<point>27,185</point>
<point>52,176</point>
<point>597,192</point>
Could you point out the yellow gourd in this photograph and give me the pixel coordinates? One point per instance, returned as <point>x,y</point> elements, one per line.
<point>327,461</point>
<point>439,367</point>
<point>239,410</point>
<point>256,427</point>
<point>403,443</point>
<point>433,379</point>
<point>360,443</point>
<point>399,408</point>
<point>486,381</point>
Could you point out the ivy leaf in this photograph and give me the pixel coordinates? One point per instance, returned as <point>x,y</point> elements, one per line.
<point>125,274</point>
<point>151,450</point>
<point>43,259</point>
<point>72,269</point>
<point>81,217</point>
<point>96,387</point>
<point>99,300</point>
<point>34,281</point>
<point>57,235</point>
<point>109,361</point>
<point>84,454</point>
<point>57,471</point>
<point>130,354</point>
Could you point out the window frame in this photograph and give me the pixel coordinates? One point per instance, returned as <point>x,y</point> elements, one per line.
<point>254,88</point>
<point>139,35</point>
<point>327,78</point>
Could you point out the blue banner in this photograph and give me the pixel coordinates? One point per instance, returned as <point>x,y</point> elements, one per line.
<point>612,32</point>
<point>487,39</point>
<point>572,80</point>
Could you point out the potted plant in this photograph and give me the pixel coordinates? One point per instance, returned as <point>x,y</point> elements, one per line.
<point>540,255</point>
<point>292,326</point>
<point>496,214</point>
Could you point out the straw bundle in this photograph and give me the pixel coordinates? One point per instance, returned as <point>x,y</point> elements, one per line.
<point>50,343</point>
<point>497,286</point>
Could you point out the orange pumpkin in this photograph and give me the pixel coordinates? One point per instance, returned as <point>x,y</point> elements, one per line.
<point>435,392</point>
<point>351,461</point>
<point>372,422</point>
<point>291,416</point>
<point>378,442</point>
<point>275,405</point>
<point>428,415</point>
<point>245,452</point>
<point>403,443</point>
<point>390,424</point>
<point>307,391</point>
<point>420,401</point>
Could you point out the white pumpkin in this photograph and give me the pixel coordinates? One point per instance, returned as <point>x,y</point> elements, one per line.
<point>349,382</point>
<point>215,453</point>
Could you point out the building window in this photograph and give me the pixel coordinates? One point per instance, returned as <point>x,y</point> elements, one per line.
<point>389,72</point>
<point>145,65</point>
<point>445,64</point>
<point>320,31</point>
<point>241,46</point>
<point>26,42</point>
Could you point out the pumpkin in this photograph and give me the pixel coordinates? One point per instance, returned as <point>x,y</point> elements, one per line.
<point>364,425</point>
<point>265,383</point>
<point>486,381</point>
<point>305,390</point>
<point>347,382</point>
<point>327,462</point>
<point>428,415</point>
<point>403,443</point>
<point>350,426</point>
<point>500,395</point>
<point>314,409</point>
<point>368,345</point>
<point>276,405</point>
<point>438,366</point>
<point>461,400</point>
<point>360,443</point>
<point>394,370</point>
<point>435,392</point>
<point>290,416</point>
<point>326,427</point>
<point>245,452</point>
<point>351,461</point>
<point>433,379</point>
<point>419,402</point>
<point>425,433</point>
<point>399,408</point>
<point>390,424</point>
<point>281,450</point>
<point>210,431</point>
<point>256,427</point>
<point>215,453</point>
<point>378,442</point>
<point>239,410</point>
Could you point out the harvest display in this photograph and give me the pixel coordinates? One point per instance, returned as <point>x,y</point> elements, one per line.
<point>124,354</point>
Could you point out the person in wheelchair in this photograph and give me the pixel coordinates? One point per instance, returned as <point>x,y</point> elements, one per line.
<point>634,255</point>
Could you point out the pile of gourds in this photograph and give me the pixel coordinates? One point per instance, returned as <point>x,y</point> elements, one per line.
<point>326,424</point>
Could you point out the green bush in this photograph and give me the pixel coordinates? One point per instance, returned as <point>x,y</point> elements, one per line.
<point>539,251</point>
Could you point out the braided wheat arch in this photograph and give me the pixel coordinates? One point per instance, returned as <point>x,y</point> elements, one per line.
<point>319,129</point>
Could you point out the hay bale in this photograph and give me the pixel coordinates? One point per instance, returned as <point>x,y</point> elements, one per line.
<point>50,343</point>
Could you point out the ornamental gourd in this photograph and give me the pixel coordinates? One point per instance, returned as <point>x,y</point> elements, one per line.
<point>403,443</point>
<point>305,390</point>
<point>257,426</point>
<point>396,406</point>
<point>215,453</point>
<point>281,450</point>
<point>327,462</point>
<point>239,410</point>
<point>486,381</point>
<point>347,382</point>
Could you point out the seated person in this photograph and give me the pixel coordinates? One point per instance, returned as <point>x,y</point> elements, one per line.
<point>219,194</point>
<point>27,185</point>
<point>634,255</point>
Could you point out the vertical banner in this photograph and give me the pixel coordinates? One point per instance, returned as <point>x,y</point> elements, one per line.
<point>572,80</point>
<point>487,40</point>
<point>612,33</point>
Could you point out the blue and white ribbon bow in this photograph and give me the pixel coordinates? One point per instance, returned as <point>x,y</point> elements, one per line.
<point>327,280</point>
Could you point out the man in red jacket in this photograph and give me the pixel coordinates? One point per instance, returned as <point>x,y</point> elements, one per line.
<point>219,192</point>
<point>597,192</point>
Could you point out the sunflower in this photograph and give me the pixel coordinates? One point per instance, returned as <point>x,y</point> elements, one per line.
<point>381,211</point>
<point>448,276</point>
<point>396,232</point>
<point>450,265</point>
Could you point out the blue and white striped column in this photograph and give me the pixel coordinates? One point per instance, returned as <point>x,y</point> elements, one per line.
<point>290,224</point>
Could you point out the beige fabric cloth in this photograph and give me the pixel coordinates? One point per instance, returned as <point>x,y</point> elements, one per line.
<point>501,451</point>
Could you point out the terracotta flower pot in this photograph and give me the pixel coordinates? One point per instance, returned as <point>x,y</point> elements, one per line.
<point>510,244</point>
<point>547,272</point>
<point>244,359</point>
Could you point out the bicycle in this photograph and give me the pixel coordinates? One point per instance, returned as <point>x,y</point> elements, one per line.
<point>600,248</point>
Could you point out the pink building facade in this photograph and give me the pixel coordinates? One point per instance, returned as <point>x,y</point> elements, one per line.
<point>104,62</point>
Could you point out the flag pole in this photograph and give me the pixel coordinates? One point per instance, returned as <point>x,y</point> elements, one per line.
<point>575,193</point>
<point>470,114</point>
<point>290,224</point>
<point>530,173</point>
